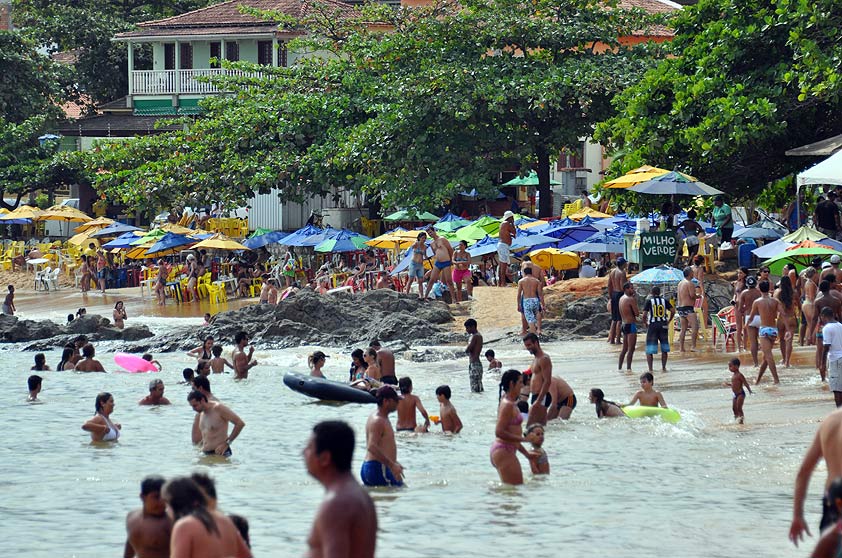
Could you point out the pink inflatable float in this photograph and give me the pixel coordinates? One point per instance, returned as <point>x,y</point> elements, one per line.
<point>133,363</point>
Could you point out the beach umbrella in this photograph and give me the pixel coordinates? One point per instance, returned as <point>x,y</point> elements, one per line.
<point>345,241</point>
<point>588,212</point>
<point>803,233</point>
<point>218,241</point>
<point>777,247</point>
<point>259,241</point>
<point>766,229</point>
<point>486,245</point>
<point>675,184</point>
<point>83,238</point>
<point>529,180</point>
<point>397,238</point>
<point>177,229</point>
<point>168,243</point>
<point>615,221</point>
<point>22,212</point>
<point>603,242</point>
<point>450,222</point>
<point>64,213</point>
<point>531,224</point>
<point>123,241</point>
<point>406,258</point>
<point>800,256</point>
<point>661,275</point>
<point>150,237</point>
<point>638,175</point>
<point>298,236</point>
<point>404,215</point>
<point>98,223</point>
<point>525,242</point>
<point>259,231</point>
<point>545,258</point>
<point>478,230</point>
<point>114,229</point>
<point>316,239</point>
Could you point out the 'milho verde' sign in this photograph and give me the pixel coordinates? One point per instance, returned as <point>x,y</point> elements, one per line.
<point>654,248</point>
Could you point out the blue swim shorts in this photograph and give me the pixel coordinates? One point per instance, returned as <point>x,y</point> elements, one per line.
<point>374,473</point>
<point>416,270</point>
<point>531,308</point>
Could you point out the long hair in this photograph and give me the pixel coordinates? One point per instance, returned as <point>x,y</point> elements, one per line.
<point>100,400</point>
<point>786,292</point>
<point>186,498</point>
<point>506,380</point>
<point>599,397</point>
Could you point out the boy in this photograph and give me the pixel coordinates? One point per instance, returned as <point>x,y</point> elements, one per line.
<point>447,412</point>
<point>738,385</point>
<point>647,396</point>
<point>407,408</point>
<point>34,385</point>
<point>9,303</point>
<point>493,363</point>
<point>218,362</point>
<point>188,376</point>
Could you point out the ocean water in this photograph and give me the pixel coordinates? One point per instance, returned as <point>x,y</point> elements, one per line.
<point>704,487</point>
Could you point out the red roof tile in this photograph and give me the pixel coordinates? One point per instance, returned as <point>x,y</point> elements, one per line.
<point>228,13</point>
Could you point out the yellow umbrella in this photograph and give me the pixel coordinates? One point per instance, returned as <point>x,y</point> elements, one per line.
<point>394,239</point>
<point>588,212</point>
<point>219,242</point>
<point>64,213</point>
<point>546,258</point>
<point>83,238</point>
<point>531,224</point>
<point>638,175</point>
<point>23,212</point>
<point>178,229</point>
<point>96,224</point>
<point>3,211</point>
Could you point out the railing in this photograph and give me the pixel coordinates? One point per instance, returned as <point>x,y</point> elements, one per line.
<point>174,82</point>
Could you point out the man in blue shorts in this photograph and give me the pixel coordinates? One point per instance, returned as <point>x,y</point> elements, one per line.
<point>381,467</point>
<point>628,317</point>
<point>655,316</point>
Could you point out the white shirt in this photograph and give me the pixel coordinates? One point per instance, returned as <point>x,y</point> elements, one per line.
<point>832,334</point>
<point>587,272</point>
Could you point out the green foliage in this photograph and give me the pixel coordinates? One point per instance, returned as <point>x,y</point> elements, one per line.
<point>749,79</point>
<point>444,103</point>
<point>22,157</point>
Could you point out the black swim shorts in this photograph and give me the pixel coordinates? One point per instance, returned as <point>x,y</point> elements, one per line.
<point>615,306</point>
<point>547,399</point>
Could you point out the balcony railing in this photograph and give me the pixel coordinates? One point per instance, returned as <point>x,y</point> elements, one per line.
<point>178,82</point>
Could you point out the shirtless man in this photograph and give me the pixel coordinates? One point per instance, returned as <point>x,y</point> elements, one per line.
<point>442,261</point>
<point>699,275</point>
<point>563,399</point>
<point>89,363</point>
<point>148,529</point>
<point>211,430</point>
<point>386,363</point>
<point>768,309</point>
<point>687,308</point>
<point>156,394</point>
<point>747,298</point>
<point>827,445</point>
<point>629,314</point>
<point>9,302</point>
<point>507,233</point>
<point>474,349</point>
<point>539,274</point>
<point>242,361</point>
<point>616,280</point>
<point>346,523</point>
<point>416,265</point>
<point>530,296</point>
<point>542,373</point>
<point>823,300</point>
<point>380,466</point>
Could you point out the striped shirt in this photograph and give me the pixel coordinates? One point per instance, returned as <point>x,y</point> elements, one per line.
<point>658,309</point>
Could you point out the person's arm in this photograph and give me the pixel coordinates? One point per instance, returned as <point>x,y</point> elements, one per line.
<point>501,431</point>
<point>753,312</point>
<point>541,294</point>
<point>423,412</point>
<point>457,422</point>
<point>635,309</point>
<point>825,352</point>
<point>231,417</point>
<point>195,352</point>
<point>228,364</point>
<point>128,550</point>
<point>746,384</point>
<point>471,345</point>
<point>374,449</point>
<point>196,433</point>
<point>96,424</point>
<point>661,401</point>
<point>646,308</point>
<point>635,398</point>
<point>519,292</point>
<point>802,480</point>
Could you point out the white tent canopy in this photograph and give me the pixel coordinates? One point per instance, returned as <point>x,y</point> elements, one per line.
<point>828,171</point>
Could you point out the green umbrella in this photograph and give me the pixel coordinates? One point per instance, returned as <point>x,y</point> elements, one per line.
<point>450,226</point>
<point>260,232</point>
<point>404,215</point>
<point>153,234</point>
<point>530,180</point>
<point>479,229</point>
<point>343,242</point>
<point>801,257</point>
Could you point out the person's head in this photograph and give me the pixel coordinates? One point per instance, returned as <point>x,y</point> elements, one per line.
<point>216,350</point>
<point>827,315</point>
<point>734,364</point>
<point>527,271</point>
<point>188,374</point>
<point>763,286</point>
<point>628,288</point>
<point>330,448</point>
<point>463,244</point>
<point>751,282</point>
<point>70,318</point>
<point>405,385</point>
<point>531,343</point>
<point>40,361</point>
<point>511,381</point>
<point>104,403</point>
<point>88,351</point>
<point>431,232</point>
<point>535,435</point>
<point>764,273</point>
<point>34,383</point>
<point>655,291</point>
<point>489,354</point>
<point>67,353</point>
<point>509,216</point>
<point>208,342</point>
<point>242,525</point>
<point>443,393</point>
<point>370,355</point>
<point>422,236</point>
<point>185,497</point>
<point>621,262</point>
<point>357,357</point>
<point>156,387</point>
<point>471,325</point>
<point>688,272</point>
<point>824,286</point>
<point>375,344</point>
<point>11,288</point>
<point>208,486</point>
<point>207,316</point>
<point>646,379</point>
<point>810,272</point>
<point>150,495</point>
<point>387,397</point>
<point>201,383</point>
<point>81,341</point>
<point>202,368</point>
<point>119,305</point>
<point>81,312</point>
<point>718,201</point>
<point>198,400</point>
<point>742,273</point>
<point>147,357</point>
<point>596,396</point>
<point>317,358</point>
<point>691,214</point>
<point>699,260</point>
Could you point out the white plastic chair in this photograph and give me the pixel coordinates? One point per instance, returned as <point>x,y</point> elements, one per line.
<point>41,277</point>
<point>52,279</point>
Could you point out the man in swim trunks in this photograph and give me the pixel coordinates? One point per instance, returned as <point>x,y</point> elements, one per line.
<point>89,363</point>
<point>542,373</point>
<point>628,313</point>
<point>416,264</point>
<point>747,298</point>
<point>655,316</point>
<point>9,302</point>
<point>156,394</point>
<point>686,308</point>
<point>824,299</point>
<point>768,309</point>
<point>616,280</point>
<point>530,296</point>
<point>474,349</point>
<point>386,362</point>
<point>442,261</point>
<point>346,523</point>
<point>211,430</point>
<point>506,234</point>
<point>380,466</point>
<point>832,353</point>
<point>242,360</point>
<point>148,529</point>
<point>563,399</point>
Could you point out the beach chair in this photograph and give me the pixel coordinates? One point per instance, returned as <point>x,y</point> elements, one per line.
<point>52,279</point>
<point>256,285</point>
<point>41,278</point>
<point>726,331</point>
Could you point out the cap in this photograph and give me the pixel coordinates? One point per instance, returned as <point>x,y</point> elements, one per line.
<point>751,281</point>
<point>825,265</point>
<point>621,260</point>
<point>834,259</point>
<point>387,392</point>
<point>506,215</point>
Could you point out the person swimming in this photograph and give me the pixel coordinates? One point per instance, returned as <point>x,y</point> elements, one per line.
<point>604,408</point>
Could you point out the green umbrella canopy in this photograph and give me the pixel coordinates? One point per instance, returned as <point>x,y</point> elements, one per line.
<point>479,229</point>
<point>530,180</point>
<point>260,232</point>
<point>801,257</point>
<point>450,226</point>
<point>343,243</point>
<point>404,215</point>
<point>154,233</point>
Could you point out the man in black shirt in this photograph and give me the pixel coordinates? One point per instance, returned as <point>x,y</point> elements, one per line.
<point>657,314</point>
<point>827,216</point>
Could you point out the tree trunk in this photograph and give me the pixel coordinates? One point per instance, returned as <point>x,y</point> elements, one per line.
<point>545,199</point>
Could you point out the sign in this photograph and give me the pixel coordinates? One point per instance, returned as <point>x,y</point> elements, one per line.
<point>649,249</point>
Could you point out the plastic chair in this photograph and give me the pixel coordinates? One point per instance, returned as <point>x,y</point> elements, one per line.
<point>255,287</point>
<point>726,331</point>
<point>41,277</point>
<point>52,279</point>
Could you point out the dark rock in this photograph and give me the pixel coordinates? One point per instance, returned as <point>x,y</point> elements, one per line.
<point>434,355</point>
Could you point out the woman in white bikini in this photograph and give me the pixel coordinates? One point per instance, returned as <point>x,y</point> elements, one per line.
<point>100,426</point>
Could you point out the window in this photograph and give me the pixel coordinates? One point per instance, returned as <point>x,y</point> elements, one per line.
<point>215,52</point>
<point>186,56</point>
<point>282,54</point>
<point>264,53</point>
<point>571,159</point>
<point>232,51</point>
<point>169,56</point>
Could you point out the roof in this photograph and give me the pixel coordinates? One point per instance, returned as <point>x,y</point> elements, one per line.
<point>73,109</point>
<point>651,6</point>
<point>225,18</point>
<point>823,148</point>
<point>67,57</point>
<point>114,125</point>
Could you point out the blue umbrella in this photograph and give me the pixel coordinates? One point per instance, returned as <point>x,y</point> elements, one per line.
<point>345,241</point>
<point>300,235</point>
<point>170,241</point>
<point>123,241</point>
<point>316,239</point>
<point>264,239</point>
<point>484,246</point>
<point>611,222</point>
<point>661,275</point>
<point>607,241</point>
<point>115,229</point>
<point>407,258</point>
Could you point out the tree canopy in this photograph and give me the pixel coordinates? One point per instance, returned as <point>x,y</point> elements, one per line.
<point>748,80</point>
<point>444,102</point>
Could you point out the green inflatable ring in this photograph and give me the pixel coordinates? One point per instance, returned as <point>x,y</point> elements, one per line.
<point>667,415</point>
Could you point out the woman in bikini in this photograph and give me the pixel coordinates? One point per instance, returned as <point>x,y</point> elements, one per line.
<point>85,272</point>
<point>119,315</point>
<point>161,284</point>
<point>100,426</point>
<point>604,408</point>
<point>508,431</point>
<point>371,380</point>
<point>461,272</point>
<point>788,319</point>
<point>204,351</point>
<point>316,361</point>
<point>810,288</point>
<point>358,365</point>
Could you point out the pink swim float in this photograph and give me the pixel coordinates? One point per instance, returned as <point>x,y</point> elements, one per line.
<point>133,363</point>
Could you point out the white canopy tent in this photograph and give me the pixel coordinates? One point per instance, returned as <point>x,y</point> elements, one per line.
<point>828,171</point>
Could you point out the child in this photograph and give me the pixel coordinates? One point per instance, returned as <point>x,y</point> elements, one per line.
<point>447,412</point>
<point>647,396</point>
<point>407,408</point>
<point>738,385</point>
<point>218,362</point>
<point>540,463</point>
<point>188,375</point>
<point>40,363</point>
<point>34,385</point>
<point>208,319</point>
<point>9,302</point>
<point>493,363</point>
<point>148,358</point>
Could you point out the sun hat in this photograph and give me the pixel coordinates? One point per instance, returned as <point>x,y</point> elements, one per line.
<point>506,215</point>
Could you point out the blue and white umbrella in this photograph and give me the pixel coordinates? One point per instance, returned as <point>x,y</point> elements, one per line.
<point>607,241</point>
<point>264,239</point>
<point>661,275</point>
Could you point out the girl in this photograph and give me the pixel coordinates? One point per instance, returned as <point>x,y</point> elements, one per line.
<point>541,464</point>
<point>604,408</point>
<point>119,315</point>
<point>508,434</point>
<point>316,361</point>
<point>358,365</point>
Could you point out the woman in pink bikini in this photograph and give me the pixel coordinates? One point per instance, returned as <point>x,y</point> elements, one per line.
<point>509,432</point>
<point>461,270</point>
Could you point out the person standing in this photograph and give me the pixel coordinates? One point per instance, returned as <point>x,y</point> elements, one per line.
<point>827,216</point>
<point>242,361</point>
<point>211,430</point>
<point>381,467</point>
<point>788,322</point>
<point>461,271</point>
<point>101,427</point>
<point>346,522</point>
<point>824,300</point>
<point>508,433</point>
<point>507,233</point>
<point>101,270</point>
<point>768,309</point>
<point>443,259</point>
<point>657,315</point>
<point>119,315</point>
<point>148,529</point>
<point>530,296</point>
<point>616,280</point>
<point>385,362</point>
<point>542,373</point>
<point>417,253</point>
<point>687,308</point>
<point>832,352</point>
<point>161,283</point>
<point>722,219</point>
<point>691,231</point>
<point>629,313</point>
<point>474,349</point>
<point>9,302</point>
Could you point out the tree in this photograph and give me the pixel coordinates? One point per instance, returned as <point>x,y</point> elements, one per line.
<point>444,102</point>
<point>22,157</point>
<point>748,80</point>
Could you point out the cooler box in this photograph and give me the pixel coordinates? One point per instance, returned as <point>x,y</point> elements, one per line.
<point>744,256</point>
